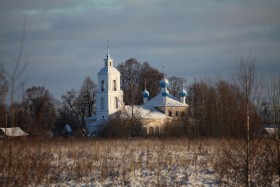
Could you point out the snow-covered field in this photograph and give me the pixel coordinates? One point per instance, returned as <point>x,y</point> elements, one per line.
<point>96,162</point>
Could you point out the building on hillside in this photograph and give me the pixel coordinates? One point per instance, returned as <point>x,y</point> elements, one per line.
<point>154,114</point>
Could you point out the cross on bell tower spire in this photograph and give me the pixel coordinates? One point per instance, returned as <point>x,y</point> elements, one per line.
<point>108,60</point>
<point>108,47</point>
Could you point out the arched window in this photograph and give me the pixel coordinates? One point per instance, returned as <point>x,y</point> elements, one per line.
<point>102,85</point>
<point>102,103</point>
<point>170,113</point>
<point>176,113</point>
<point>114,85</point>
<point>183,114</point>
<point>157,131</point>
<point>116,102</point>
<point>151,130</point>
<point>144,130</point>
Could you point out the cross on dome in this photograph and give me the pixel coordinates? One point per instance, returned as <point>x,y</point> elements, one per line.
<point>164,83</point>
<point>163,69</point>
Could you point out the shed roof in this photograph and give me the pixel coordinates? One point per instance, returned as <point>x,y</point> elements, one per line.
<point>14,131</point>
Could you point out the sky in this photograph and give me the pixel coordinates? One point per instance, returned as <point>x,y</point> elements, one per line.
<point>66,40</point>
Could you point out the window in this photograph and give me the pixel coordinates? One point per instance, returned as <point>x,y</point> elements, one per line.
<point>183,114</point>
<point>157,131</point>
<point>176,113</point>
<point>110,63</point>
<point>115,85</point>
<point>170,113</point>
<point>102,103</point>
<point>151,130</point>
<point>102,85</point>
<point>145,130</point>
<point>116,102</point>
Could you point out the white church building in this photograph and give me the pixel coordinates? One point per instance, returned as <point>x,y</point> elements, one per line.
<point>154,114</point>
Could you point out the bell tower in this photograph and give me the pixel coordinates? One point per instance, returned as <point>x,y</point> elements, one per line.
<point>109,95</point>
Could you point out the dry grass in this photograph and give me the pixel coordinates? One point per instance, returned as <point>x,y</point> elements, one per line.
<point>129,162</point>
<point>230,163</point>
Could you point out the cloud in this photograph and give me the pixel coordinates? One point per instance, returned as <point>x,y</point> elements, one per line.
<point>67,38</point>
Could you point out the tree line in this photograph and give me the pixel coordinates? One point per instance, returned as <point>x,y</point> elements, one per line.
<point>217,108</point>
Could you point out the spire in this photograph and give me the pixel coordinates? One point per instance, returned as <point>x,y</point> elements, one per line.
<point>108,51</point>
<point>145,83</point>
<point>164,82</point>
<point>108,60</point>
<point>145,94</point>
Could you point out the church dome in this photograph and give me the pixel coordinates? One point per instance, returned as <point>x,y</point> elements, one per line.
<point>145,94</point>
<point>164,83</point>
<point>165,93</point>
<point>183,93</point>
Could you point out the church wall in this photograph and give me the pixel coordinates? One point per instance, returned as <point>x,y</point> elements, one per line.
<point>154,126</point>
<point>175,112</point>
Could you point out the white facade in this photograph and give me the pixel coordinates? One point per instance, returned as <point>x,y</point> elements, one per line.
<point>109,95</point>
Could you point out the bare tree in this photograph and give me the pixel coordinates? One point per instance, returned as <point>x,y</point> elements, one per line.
<point>199,100</point>
<point>82,105</point>
<point>130,79</point>
<point>70,99</point>
<point>229,110</point>
<point>133,75</point>
<point>3,87</point>
<point>133,79</point>
<point>3,93</point>
<point>231,159</point>
<point>87,97</point>
<point>152,77</point>
<point>18,70</point>
<point>39,104</point>
<point>246,79</point>
<point>175,85</point>
<point>274,106</point>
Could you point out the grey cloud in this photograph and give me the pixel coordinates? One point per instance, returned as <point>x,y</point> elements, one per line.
<point>196,37</point>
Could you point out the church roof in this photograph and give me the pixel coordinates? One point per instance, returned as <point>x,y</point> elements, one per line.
<point>169,101</point>
<point>149,109</point>
<point>144,112</point>
<point>107,70</point>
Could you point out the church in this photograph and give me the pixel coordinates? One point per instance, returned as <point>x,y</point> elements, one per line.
<point>154,114</point>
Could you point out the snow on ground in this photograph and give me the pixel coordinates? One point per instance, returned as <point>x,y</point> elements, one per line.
<point>144,163</point>
<point>96,162</point>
